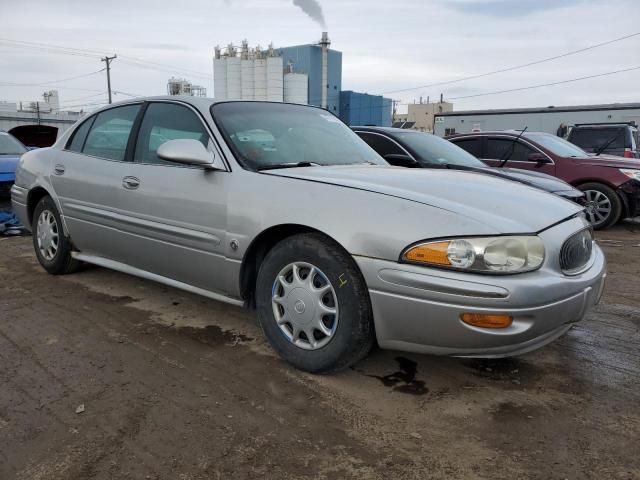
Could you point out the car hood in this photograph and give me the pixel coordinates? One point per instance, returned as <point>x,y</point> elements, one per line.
<point>506,206</point>
<point>608,161</point>
<point>8,163</point>
<point>533,179</point>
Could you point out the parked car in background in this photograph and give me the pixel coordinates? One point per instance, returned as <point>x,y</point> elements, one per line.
<point>284,208</point>
<point>10,152</point>
<point>619,139</point>
<point>410,148</point>
<point>611,184</point>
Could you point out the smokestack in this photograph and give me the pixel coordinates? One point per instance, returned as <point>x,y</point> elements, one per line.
<point>324,44</point>
<point>441,97</point>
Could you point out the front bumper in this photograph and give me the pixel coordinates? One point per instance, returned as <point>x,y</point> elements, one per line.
<point>418,309</point>
<point>630,193</point>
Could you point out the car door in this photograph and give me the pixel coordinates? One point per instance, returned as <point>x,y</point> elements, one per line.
<point>87,178</point>
<point>517,153</point>
<point>176,214</point>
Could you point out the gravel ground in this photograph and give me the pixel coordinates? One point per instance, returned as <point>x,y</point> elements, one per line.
<point>103,375</point>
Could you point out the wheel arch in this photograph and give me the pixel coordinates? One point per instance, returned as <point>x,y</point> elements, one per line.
<point>33,197</point>
<point>624,201</point>
<point>258,249</point>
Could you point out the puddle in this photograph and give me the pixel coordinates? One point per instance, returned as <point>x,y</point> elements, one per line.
<point>213,335</point>
<point>505,369</point>
<point>404,380</point>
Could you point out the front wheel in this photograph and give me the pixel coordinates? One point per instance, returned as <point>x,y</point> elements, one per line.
<point>313,304</point>
<point>603,206</point>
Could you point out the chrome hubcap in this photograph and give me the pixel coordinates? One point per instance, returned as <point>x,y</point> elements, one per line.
<point>598,206</point>
<point>305,305</point>
<point>47,235</point>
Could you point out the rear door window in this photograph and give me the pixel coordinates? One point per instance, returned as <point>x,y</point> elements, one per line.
<point>471,145</point>
<point>80,135</point>
<point>110,132</point>
<point>505,148</point>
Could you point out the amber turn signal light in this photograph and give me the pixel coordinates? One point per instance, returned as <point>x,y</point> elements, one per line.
<point>487,321</point>
<point>434,253</point>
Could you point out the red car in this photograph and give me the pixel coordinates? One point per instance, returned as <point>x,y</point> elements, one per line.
<point>611,184</point>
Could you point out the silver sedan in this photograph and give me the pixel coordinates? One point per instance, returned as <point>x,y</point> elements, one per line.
<point>282,208</point>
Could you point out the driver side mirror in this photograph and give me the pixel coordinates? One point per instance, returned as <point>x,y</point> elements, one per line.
<point>187,152</point>
<point>401,160</point>
<point>538,158</point>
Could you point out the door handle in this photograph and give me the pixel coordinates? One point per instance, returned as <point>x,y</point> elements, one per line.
<point>58,169</point>
<point>130,183</point>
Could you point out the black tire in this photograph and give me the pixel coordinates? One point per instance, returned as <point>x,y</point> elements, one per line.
<point>61,262</point>
<point>597,191</point>
<point>354,333</point>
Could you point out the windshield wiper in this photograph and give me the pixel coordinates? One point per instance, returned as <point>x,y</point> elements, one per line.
<point>607,143</point>
<point>507,154</point>
<point>275,166</point>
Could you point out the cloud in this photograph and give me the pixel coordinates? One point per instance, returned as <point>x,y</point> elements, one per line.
<point>507,8</point>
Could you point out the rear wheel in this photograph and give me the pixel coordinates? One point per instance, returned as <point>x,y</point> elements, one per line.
<point>603,206</point>
<point>52,246</point>
<point>313,304</point>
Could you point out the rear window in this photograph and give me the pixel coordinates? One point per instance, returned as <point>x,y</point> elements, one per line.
<point>594,138</point>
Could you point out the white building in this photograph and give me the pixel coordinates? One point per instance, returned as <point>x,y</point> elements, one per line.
<point>256,74</point>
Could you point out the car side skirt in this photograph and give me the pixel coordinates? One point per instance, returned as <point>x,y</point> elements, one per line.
<point>121,267</point>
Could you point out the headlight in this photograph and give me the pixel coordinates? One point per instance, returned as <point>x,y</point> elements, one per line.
<point>509,254</point>
<point>631,173</point>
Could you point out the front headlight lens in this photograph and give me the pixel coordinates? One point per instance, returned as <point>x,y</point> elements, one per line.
<point>630,172</point>
<point>508,254</point>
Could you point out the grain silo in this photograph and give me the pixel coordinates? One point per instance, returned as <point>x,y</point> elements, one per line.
<point>275,80</point>
<point>296,87</point>
<point>259,76</point>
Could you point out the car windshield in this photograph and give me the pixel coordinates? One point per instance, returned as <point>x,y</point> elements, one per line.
<point>556,145</point>
<point>436,150</point>
<point>266,134</point>
<point>10,146</point>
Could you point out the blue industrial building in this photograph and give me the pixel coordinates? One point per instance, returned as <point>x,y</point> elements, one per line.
<point>308,59</point>
<point>364,109</point>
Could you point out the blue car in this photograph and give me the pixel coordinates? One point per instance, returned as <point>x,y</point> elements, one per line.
<point>11,149</point>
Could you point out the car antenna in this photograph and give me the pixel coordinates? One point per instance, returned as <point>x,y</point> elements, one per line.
<point>508,152</point>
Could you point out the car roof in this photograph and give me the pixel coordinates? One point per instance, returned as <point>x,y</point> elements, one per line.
<point>389,130</point>
<point>201,103</point>
<point>513,133</point>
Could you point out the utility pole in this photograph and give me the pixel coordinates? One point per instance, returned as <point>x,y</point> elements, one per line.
<point>108,60</point>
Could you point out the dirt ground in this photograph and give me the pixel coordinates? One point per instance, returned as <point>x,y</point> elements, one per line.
<point>103,375</point>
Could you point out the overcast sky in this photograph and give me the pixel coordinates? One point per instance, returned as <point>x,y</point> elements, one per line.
<point>386,45</point>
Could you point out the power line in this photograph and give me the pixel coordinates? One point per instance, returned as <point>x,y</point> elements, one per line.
<point>44,84</point>
<point>182,69</point>
<point>83,98</point>
<point>51,48</point>
<point>133,61</point>
<point>91,104</point>
<point>509,69</point>
<point>6,84</point>
<point>119,92</point>
<point>546,84</point>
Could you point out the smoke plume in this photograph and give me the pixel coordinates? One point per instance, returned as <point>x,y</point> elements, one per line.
<point>313,9</point>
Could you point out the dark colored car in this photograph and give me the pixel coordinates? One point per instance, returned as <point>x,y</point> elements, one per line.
<point>619,139</point>
<point>10,152</point>
<point>410,148</point>
<point>611,184</point>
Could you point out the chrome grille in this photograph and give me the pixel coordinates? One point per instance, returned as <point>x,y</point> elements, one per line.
<point>576,252</point>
